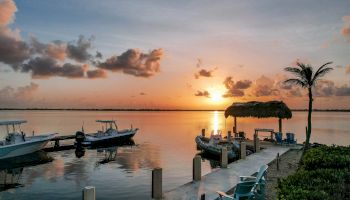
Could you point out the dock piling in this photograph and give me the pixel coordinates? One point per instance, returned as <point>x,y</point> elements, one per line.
<point>256,143</point>
<point>157,190</point>
<point>89,193</point>
<point>197,169</point>
<point>203,132</point>
<point>243,150</point>
<point>224,158</point>
<point>229,136</point>
<point>278,162</point>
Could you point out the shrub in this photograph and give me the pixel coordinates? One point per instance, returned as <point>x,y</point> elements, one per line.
<point>327,157</point>
<point>324,174</point>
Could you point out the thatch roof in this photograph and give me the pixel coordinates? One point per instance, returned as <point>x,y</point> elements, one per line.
<point>259,109</point>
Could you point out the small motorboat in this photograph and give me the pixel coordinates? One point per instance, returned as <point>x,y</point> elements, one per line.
<point>111,134</point>
<point>17,143</point>
<point>215,143</point>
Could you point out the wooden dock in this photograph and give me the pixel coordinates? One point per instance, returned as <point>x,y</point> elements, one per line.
<point>225,179</point>
<point>57,146</point>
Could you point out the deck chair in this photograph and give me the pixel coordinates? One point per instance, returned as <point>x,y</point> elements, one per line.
<point>257,190</point>
<point>260,180</point>
<point>279,140</point>
<point>243,189</point>
<point>290,138</point>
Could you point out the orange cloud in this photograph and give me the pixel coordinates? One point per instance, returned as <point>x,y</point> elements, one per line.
<point>7,11</point>
<point>204,93</point>
<point>98,73</point>
<point>134,62</point>
<point>345,31</point>
<point>348,70</point>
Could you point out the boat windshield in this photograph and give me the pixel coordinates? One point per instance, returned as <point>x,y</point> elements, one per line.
<point>109,124</point>
<point>16,125</point>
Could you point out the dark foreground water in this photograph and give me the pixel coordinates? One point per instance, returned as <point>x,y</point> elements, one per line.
<point>165,139</point>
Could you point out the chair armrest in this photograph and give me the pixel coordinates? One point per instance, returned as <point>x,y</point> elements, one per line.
<point>223,194</point>
<point>242,178</point>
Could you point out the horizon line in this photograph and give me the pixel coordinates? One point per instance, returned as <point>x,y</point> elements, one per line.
<point>155,109</point>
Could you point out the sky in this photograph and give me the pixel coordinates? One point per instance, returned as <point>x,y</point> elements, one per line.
<point>170,54</point>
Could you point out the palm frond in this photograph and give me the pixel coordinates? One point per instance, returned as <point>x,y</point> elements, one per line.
<point>297,72</point>
<point>322,71</point>
<point>295,81</point>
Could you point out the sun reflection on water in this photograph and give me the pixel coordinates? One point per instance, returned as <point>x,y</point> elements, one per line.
<point>215,122</point>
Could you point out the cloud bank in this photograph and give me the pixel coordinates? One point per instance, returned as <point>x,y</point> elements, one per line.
<point>134,62</point>
<point>67,59</point>
<point>14,97</point>
<point>235,89</point>
<point>203,93</point>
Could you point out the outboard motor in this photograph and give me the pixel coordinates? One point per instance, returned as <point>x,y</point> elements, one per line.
<point>79,137</point>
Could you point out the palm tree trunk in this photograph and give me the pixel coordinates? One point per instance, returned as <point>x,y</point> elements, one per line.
<point>308,128</point>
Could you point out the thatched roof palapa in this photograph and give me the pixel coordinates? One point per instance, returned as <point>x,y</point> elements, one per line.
<point>276,109</point>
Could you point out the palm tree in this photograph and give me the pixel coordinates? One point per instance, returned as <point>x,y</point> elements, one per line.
<point>306,78</point>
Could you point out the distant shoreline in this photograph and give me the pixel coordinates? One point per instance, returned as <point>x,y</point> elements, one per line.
<point>158,110</point>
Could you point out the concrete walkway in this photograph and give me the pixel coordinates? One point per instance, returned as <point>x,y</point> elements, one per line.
<point>225,179</point>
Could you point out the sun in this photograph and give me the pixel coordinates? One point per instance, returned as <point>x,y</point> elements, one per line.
<point>216,96</point>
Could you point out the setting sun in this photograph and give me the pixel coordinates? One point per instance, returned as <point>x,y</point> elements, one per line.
<point>216,96</point>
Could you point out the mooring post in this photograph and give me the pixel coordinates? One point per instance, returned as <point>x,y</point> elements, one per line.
<point>243,150</point>
<point>278,161</point>
<point>89,193</point>
<point>203,132</point>
<point>229,136</point>
<point>256,143</point>
<point>57,144</point>
<point>196,170</point>
<point>224,158</point>
<point>157,190</point>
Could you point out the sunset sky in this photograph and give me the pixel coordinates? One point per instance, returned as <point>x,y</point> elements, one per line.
<point>169,54</point>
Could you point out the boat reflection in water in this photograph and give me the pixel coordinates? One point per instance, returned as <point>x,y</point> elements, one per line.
<point>11,168</point>
<point>109,150</point>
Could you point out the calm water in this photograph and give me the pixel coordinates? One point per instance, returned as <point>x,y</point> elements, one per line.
<point>165,139</point>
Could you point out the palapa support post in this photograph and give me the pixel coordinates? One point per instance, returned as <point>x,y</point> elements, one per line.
<point>280,125</point>
<point>256,143</point>
<point>242,154</point>
<point>229,136</point>
<point>89,193</point>
<point>235,127</point>
<point>278,161</point>
<point>157,186</point>
<point>203,132</point>
<point>224,158</point>
<point>196,170</point>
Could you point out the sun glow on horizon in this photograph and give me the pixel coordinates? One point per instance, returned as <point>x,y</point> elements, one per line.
<point>216,95</point>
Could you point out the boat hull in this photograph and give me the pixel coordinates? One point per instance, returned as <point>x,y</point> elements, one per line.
<point>213,150</point>
<point>92,141</point>
<point>22,148</point>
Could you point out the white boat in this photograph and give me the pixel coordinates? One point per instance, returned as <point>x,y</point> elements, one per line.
<point>111,134</point>
<point>17,143</point>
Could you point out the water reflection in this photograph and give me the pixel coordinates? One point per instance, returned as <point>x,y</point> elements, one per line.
<point>11,169</point>
<point>127,155</point>
<point>143,156</point>
<point>215,122</point>
<point>110,151</point>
